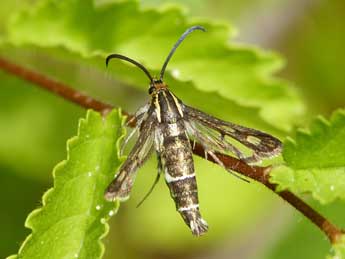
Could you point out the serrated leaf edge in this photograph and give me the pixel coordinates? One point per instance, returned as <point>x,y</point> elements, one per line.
<point>70,142</point>
<point>308,131</point>
<point>267,75</point>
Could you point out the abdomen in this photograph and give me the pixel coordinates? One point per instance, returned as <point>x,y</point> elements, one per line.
<point>177,159</point>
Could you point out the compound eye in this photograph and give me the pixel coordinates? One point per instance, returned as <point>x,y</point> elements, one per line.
<point>151,89</point>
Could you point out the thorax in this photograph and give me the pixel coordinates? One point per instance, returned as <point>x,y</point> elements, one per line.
<point>167,107</point>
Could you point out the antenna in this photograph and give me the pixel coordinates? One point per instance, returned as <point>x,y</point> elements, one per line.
<point>131,61</point>
<point>184,35</point>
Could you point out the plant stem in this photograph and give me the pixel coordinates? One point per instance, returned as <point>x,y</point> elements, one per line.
<point>56,87</point>
<point>257,173</point>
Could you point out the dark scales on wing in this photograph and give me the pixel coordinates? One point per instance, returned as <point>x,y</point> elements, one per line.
<point>167,125</point>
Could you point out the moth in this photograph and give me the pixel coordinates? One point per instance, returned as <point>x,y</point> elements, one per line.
<point>168,126</point>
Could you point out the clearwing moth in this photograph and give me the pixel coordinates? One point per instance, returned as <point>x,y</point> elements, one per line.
<point>166,125</point>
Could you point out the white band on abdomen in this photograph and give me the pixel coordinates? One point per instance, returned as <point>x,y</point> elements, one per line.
<point>170,179</point>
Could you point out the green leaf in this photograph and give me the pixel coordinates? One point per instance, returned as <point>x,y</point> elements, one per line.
<point>338,249</point>
<point>315,160</point>
<point>239,74</point>
<point>73,217</point>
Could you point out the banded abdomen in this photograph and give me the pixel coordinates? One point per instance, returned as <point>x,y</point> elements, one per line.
<point>176,154</point>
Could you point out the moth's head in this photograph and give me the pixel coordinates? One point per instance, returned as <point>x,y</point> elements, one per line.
<point>156,84</point>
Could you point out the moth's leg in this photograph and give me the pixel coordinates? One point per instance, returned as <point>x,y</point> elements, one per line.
<point>159,163</point>
<point>159,171</point>
<point>205,152</point>
<point>255,158</point>
<point>139,115</point>
<point>228,147</point>
<point>217,160</point>
<point>204,141</point>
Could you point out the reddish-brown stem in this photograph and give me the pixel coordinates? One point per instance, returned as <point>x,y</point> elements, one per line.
<point>257,173</point>
<point>55,87</point>
<point>261,174</point>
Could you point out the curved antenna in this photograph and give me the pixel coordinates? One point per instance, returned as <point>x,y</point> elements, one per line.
<point>129,60</point>
<point>184,35</point>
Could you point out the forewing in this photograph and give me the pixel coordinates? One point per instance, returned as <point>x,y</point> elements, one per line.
<point>210,139</point>
<point>138,118</point>
<point>262,144</point>
<point>121,186</point>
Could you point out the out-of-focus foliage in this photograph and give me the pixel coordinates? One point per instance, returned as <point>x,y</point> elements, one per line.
<point>240,74</point>
<point>315,48</point>
<point>223,9</point>
<point>302,239</point>
<point>338,249</point>
<point>35,124</point>
<point>27,106</point>
<point>73,217</point>
<point>315,160</point>
<point>16,190</point>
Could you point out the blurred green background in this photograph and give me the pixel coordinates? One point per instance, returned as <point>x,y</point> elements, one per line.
<point>246,220</point>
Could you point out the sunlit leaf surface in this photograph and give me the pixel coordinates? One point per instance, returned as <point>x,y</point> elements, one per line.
<point>240,74</point>
<point>315,160</point>
<point>74,214</point>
